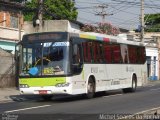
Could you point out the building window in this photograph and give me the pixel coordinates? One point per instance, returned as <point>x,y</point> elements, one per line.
<point>13,22</point>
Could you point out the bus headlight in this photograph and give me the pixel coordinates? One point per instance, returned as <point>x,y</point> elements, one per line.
<point>62,84</point>
<point>23,86</point>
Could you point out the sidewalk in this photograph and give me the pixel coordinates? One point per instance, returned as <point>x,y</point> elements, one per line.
<point>8,94</point>
<point>152,82</point>
<point>12,94</point>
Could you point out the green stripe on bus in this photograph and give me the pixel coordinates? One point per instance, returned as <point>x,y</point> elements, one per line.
<point>35,82</point>
<point>92,37</point>
<point>87,36</point>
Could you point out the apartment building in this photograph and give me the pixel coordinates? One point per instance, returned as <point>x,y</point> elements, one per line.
<point>11,22</point>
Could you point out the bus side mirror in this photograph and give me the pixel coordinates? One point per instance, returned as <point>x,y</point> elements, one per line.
<point>15,55</point>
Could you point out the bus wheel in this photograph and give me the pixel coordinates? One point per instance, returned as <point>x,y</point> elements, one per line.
<point>134,85</point>
<point>47,97</point>
<point>90,88</point>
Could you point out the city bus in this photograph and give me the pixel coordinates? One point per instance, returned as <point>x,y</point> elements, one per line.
<point>51,63</point>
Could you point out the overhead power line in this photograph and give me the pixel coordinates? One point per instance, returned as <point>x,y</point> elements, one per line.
<point>103,13</point>
<point>116,7</point>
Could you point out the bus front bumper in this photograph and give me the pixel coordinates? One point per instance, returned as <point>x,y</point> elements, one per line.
<point>44,90</point>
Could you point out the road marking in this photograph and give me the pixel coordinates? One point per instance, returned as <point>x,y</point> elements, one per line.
<point>155,89</point>
<point>27,108</point>
<point>113,95</point>
<point>141,113</point>
<point>145,111</point>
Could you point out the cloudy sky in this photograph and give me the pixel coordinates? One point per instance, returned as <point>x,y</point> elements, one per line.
<point>121,13</point>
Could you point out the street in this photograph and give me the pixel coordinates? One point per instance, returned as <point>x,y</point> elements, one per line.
<point>113,102</point>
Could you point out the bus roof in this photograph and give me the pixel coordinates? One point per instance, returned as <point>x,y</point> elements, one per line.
<point>90,36</point>
<point>107,38</point>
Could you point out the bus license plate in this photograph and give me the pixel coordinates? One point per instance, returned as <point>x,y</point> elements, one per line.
<point>42,91</point>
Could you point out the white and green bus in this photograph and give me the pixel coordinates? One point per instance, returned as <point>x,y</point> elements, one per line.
<point>52,63</point>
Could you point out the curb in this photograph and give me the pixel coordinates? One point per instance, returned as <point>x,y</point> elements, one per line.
<point>153,82</point>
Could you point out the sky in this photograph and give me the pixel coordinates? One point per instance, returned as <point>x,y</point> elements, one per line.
<point>121,13</point>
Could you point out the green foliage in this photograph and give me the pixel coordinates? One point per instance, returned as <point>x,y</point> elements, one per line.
<point>152,22</point>
<point>31,10</point>
<point>52,9</point>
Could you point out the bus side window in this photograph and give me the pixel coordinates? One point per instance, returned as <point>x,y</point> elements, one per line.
<point>87,52</point>
<point>143,54</point>
<point>76,58</point>
<point>139,55</point>
<point>117,54</point>
<point>132,54</point>
<point>101,53</point>
<point>85,55</point>
<point>76,54</point>
<point>108,53</point>
<point>90,52</point>
<point>124,53</point>
<point>94,52</point>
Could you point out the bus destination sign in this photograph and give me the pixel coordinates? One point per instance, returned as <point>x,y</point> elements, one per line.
<point>46,36</point>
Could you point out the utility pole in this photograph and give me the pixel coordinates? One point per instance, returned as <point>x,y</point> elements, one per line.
<point>40,12</point>
<point>142,20</point>
<point>39,21</point>
<point>103,13</point>
<point>20,24</point>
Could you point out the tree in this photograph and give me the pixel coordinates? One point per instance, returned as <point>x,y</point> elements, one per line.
<point>152,22</point>
<point>52,9</point>
<point>104,28</point>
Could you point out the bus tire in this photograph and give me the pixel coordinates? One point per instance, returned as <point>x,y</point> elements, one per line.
<point>90,88</point>
<point>134,85</point>
<point>47,97</point>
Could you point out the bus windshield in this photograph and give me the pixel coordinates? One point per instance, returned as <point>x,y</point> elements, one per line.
<point>45,58</point>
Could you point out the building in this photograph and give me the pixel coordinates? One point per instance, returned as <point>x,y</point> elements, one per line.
<point>152,61</point>
<point>157,40</point>
<point>152,43</point>
<point>11,22</point>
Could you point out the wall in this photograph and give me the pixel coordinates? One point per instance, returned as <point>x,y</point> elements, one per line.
<point>152,62</point>
<point>10,22</point>
<point>7,69</point>
<point>52,26</point>
<point>10,34</point>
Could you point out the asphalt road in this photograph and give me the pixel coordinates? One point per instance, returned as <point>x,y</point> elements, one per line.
<point>103,106</point>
